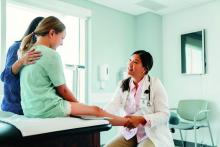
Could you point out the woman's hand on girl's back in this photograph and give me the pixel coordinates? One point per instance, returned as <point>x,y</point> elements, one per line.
<point>30,57</point>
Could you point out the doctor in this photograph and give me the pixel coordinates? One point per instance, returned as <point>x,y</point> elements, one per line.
<point>144,100</point>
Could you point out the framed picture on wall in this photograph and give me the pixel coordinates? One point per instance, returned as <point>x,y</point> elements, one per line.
<point>193,56</point>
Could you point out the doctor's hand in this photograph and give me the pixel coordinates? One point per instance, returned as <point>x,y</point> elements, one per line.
<point>134,121</point>
<point>118,121</point>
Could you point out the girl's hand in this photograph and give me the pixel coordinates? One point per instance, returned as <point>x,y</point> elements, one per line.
<point>30,57</point>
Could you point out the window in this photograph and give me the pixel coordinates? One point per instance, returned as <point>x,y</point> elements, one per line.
<point>73,50</point>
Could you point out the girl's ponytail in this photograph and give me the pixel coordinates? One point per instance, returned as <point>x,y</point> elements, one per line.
<point>26,44</point>
<point>42,29</point>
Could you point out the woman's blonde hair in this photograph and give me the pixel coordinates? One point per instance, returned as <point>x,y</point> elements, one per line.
<point>42,29</point>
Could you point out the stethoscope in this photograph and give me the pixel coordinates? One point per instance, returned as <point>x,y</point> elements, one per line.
<point>147,91</point>
<point>146,100</point>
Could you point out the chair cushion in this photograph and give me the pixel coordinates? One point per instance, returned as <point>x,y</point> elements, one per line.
<point>187,126</point>
<point>182,126</point>
<point>174,120</point>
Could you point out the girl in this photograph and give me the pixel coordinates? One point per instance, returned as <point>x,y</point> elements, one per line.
<point>43,90</point>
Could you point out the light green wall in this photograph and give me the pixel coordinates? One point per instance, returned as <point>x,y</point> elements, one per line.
<point>149,38</point>
<point>111,37</point>
<point>180,86</point>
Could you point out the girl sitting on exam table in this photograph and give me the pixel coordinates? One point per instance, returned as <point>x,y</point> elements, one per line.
<point>44,93</point>
<point>144,100</point>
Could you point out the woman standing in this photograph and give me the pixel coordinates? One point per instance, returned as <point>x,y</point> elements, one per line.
<point>11,74</point>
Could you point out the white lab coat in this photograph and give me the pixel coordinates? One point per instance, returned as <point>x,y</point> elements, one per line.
<point>157,113</point>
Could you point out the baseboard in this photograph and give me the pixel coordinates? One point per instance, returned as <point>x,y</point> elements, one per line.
<point>190,144</point>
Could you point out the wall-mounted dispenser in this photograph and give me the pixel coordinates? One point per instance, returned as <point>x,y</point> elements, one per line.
<point>103,74</point>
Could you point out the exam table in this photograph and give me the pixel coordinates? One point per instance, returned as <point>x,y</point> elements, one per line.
<point>19,131</point>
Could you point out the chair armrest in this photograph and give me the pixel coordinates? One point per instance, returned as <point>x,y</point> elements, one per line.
<point>201,112</point>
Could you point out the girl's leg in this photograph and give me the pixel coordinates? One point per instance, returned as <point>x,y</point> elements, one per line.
<point>82,109</point>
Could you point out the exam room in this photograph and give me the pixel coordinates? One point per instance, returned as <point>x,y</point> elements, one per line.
<point>101,38</point>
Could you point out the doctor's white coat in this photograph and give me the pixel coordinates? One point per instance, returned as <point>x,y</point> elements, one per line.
<point>157,113</point>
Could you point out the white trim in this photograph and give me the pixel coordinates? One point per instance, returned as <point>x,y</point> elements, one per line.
<point>2,40</point>
<point>56,6</point>
<point>2,32</point>
<point>89,60</point>
<point>1,96</point>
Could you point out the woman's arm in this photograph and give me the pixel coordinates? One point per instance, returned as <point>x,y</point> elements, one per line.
<point>65,93</point>
<point>29,58</point>
<point>82,109</point>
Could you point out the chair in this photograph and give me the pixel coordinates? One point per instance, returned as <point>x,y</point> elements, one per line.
<point>193,115</point>
<point>174,120</point>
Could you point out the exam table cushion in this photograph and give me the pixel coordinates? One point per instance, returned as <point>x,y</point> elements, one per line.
<point>20,125</point>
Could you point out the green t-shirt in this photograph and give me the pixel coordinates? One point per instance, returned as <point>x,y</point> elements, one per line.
<point>38,82</point>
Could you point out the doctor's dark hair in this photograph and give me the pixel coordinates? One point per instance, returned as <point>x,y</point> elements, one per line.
<point>147,62</point>
<point>43,28</point>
